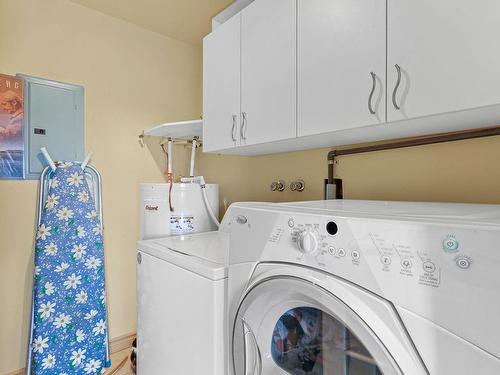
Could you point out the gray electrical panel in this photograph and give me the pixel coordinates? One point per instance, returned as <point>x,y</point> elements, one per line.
<point>54,119</point>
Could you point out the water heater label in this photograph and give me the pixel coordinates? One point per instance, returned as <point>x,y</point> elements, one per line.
<point>181,224</point>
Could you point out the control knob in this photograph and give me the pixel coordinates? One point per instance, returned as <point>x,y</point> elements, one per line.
<point>308,241</point>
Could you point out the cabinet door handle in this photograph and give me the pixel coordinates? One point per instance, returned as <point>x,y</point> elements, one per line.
<point>243,125</point>
<point>233,129</point>
<point>370,108</point>
<point>394,102</point>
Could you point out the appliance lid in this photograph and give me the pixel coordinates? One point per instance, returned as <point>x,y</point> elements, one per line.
<point>203,253</point>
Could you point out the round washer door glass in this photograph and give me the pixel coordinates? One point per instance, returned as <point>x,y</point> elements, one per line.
<point>288,325</point>
<point>307,340</point>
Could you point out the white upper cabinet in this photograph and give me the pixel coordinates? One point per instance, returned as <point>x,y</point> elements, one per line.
<point>268,71</point>
<point>447,53</point>
<point>341,64</point>
<point>286,75</point>
<point>221,87</point>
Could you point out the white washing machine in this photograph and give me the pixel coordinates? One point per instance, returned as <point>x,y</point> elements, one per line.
<point>364,288</point>
<point>181,291</point>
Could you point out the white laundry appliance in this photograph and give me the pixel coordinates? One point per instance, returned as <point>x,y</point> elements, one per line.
<point>189,213</point>
<point>358,288</point>
<point>181,291</point>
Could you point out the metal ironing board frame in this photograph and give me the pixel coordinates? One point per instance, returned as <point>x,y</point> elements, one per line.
<point>94,181</point>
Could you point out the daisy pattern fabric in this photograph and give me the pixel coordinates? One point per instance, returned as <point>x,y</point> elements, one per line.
<point>69,328</point>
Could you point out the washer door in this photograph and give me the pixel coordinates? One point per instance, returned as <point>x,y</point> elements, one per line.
<point>287,325</point>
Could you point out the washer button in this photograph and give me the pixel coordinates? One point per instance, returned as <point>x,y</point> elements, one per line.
<point>450,244</point>
<point>463,263</point>
<point>331,250</point>
<point>406,264</point>
<point>429,267</point>
<point>355,255</point>
<point>386,260</point>
<point>291,223</point>
<point>341,253</point>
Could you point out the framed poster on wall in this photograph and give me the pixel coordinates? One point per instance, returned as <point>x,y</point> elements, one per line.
<point>11,127</point>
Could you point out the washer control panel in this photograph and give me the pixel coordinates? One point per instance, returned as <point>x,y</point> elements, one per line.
<point>388,251</point>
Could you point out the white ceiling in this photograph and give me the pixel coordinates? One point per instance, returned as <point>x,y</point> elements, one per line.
<point>186,20</point>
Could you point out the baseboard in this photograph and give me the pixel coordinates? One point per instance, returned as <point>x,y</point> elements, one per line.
<point>115,345</point>
<point>121,342</point>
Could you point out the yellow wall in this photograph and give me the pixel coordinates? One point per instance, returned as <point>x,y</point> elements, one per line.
<point>133,79</point>
<point>464,171</point>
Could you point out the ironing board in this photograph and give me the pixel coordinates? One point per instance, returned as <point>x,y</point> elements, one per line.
<point>69,322</point>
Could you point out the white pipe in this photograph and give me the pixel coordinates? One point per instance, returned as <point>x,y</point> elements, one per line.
<point>207,204</point>
<point>87,160</point>
<point>49,160</point>
<point>201,181</point>
<point>169,156</point>
<point>193,155</point>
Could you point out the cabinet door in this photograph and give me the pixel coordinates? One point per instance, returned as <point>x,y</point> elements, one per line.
<point>268,66</point>
<point>448,55</point>
<point>340,44</point>
<point>221,86</point>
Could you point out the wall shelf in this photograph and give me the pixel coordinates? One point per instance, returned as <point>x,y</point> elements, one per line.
<point>182,130</point>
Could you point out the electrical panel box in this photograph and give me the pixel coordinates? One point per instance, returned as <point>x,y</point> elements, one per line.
<point>54,119</point>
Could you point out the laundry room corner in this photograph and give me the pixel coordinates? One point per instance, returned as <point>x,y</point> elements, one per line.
<point>132,78</point>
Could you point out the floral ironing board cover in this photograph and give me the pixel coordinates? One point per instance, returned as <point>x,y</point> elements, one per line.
<point>69,325</point>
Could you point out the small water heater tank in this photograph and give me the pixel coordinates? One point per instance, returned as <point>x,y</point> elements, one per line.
<point>189,215</point>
